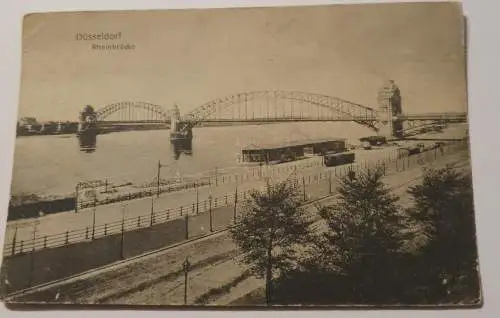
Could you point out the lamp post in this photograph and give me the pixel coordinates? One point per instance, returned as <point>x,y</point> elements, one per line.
<point>151,220</point>
<point>304,188</point>
<point>197,198</point>
<point>14,242</point>
<point>216,173</point>
<point>235,204</point>
<point>186,266</point>
<point>76,196</point>
<point>210,198</point>
<point>330,182</point>
<point>158,178</point>
<point>122,244</point>
<point>32,260</point>
<point>93,218</point>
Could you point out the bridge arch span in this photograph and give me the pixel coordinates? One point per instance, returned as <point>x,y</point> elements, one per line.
<point>282,105</point>
<point>128,111</point>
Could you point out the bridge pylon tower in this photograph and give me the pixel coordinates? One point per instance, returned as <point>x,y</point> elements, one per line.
<point>87,119</point>
<point>179,130</point>
<point>175,118</point>
<point>390,106</point>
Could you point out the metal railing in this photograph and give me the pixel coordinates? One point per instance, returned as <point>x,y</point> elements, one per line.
<point>312,185</point>
<point>255,173</point>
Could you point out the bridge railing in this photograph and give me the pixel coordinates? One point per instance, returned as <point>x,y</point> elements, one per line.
<point>433,116</point>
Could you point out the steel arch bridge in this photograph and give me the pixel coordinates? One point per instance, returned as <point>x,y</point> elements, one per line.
<point>268,106</point>
<point>133,112</point>
<point>279,106</point>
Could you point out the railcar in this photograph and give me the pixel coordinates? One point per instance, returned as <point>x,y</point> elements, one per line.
<point>336,159</point>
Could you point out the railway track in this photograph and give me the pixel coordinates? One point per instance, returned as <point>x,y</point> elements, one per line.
<point>10,298</point>
<point>173,284</point>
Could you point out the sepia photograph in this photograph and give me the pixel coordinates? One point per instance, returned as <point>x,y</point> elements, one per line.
<point>306,156</point>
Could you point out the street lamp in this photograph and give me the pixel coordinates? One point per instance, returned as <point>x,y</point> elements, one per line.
<point>330,182</point>
<point>210,198</point>
<point>122,243</point>
<point>216,175</point>
<point>158,178</point>
<point>186,266</point>
<point>151,220</point>
<point>304,187</point>
<point>32,260</point>
<point>77,188</point>
<point>93,217</point>
<point>235,204</point>
<point>14,242</point>
<point>197,197</point>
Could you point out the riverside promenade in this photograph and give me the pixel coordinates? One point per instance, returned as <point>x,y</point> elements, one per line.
<point>69,227</point>
<point>157,279</point>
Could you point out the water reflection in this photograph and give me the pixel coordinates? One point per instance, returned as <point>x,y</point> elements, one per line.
<point>88,141</point>
<point>182,147</point>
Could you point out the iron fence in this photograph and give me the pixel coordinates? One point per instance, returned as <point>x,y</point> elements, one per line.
<point>254,173</point>
<point>312,186</point>
<point>43,259</point>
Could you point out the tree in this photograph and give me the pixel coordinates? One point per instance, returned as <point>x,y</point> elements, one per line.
<point>271,229</point>
<point>444,207</point>
<point>363,241</point>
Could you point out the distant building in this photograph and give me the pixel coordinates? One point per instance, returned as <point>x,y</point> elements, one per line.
<point>290,150</point>
<point>25,121</point>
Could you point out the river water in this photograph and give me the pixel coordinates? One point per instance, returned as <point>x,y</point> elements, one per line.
<point>52,165</point>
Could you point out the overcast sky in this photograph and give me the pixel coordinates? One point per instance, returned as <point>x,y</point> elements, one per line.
<point>192,56</point>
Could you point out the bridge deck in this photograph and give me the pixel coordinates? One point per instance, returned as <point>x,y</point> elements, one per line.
<point>271,119</point>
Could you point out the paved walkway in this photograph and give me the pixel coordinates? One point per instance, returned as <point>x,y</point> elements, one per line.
<point>50,230</point>
<point>157,280</point>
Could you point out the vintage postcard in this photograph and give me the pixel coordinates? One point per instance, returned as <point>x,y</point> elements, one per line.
<point>272,156</point>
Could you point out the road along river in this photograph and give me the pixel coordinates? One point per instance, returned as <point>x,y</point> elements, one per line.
<point>141,279</point>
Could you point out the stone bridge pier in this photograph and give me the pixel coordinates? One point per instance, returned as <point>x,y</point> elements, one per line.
<point>175,118</point>
<point>87,119</point>
<point>179,130</point>
<point>390,106</point>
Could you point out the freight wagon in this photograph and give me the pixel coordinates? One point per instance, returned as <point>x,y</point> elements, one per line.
<point>336,159</point>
